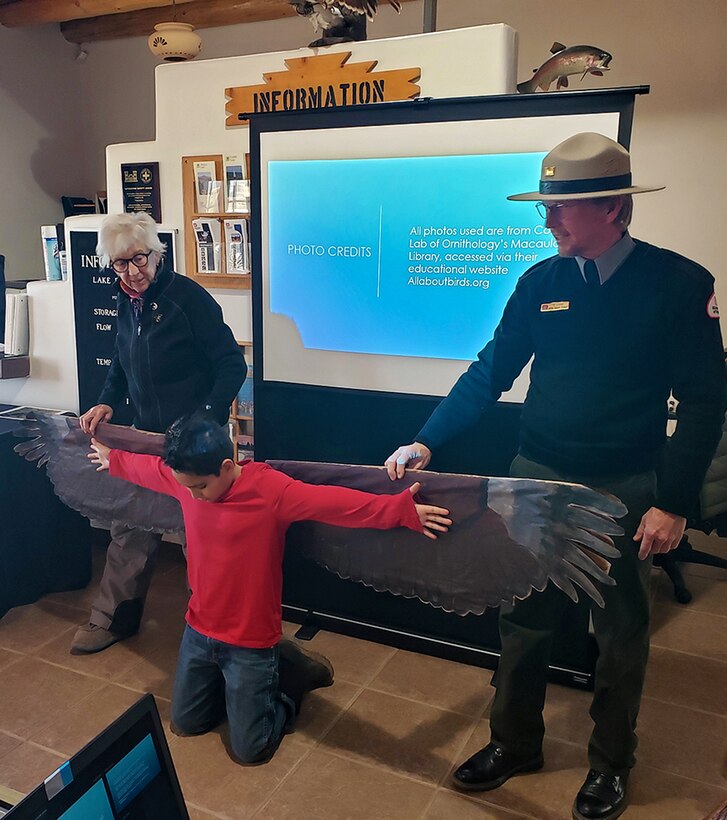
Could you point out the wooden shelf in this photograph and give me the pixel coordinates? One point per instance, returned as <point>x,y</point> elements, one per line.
<point>14,367</point>
<point>221,216</point>
<point>241,281</point>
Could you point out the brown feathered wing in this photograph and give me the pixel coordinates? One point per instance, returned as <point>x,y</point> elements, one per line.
<point>59,444</point>
<point>510,535</point>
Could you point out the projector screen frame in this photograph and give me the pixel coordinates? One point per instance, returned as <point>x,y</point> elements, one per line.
<point>427,110</point>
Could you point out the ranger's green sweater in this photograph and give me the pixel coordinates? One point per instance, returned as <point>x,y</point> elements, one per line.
<point>605,361</point>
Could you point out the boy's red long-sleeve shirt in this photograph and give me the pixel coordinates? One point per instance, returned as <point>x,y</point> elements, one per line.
<point>235,545</point>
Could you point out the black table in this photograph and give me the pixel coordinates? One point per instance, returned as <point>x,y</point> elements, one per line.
<point>44,546</point>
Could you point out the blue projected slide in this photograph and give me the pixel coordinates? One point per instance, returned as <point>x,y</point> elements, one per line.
<point>133,772</point>
<point>94,805</point>
<point>411,256</point>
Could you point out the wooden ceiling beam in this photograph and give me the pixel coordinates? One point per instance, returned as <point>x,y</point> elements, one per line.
<point>33,12</point>
<point>200,13</point>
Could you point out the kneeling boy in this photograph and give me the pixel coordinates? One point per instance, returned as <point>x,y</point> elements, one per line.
<point>236,517</point>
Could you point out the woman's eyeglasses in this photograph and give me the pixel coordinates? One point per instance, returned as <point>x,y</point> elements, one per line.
<point>139,260</point>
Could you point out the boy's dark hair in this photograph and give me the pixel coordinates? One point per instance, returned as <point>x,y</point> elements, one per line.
<point>197,445</point>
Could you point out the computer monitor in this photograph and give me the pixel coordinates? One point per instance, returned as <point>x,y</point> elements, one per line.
<point>124,773</point>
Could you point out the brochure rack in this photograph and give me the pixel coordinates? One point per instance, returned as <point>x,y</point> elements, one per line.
<point>210,251</point>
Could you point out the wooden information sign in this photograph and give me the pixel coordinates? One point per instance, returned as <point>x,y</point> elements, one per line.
<point>324,81</point>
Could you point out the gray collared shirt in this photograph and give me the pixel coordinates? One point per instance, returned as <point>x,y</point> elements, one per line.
<point>610,261</point>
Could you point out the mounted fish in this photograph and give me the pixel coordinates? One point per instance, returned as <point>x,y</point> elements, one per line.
<point>342,21</point>
<point>564,62</point>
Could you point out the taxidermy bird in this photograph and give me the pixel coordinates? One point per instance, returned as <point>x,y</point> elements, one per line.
<point>565,61</point>
<point>341,20</point>
<point>510,535</point>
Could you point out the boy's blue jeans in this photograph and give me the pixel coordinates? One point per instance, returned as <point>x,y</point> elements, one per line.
<point>214,678</point>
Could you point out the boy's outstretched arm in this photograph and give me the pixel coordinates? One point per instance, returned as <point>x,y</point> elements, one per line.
<point>144,470</point>
<point>433,519</point>
<point>342,506</point>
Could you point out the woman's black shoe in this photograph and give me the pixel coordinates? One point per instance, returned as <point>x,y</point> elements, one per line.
<point>491,767</point>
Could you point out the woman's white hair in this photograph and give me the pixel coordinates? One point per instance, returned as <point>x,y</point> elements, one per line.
<point>119,232</point>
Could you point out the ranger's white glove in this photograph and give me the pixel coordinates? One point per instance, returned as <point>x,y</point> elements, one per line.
<point>414,456</point>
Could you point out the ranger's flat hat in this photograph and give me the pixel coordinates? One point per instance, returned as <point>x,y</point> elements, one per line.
<point>585,166</point>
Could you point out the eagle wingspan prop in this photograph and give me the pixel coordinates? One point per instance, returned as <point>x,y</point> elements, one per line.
<point>510,535</point>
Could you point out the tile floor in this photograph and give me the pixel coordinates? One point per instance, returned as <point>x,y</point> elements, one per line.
<point>382,740</point>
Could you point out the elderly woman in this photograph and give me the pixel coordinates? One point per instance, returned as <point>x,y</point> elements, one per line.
<point>174,355</point>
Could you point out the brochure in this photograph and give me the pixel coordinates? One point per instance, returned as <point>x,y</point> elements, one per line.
<point>236,246</point>
<point>207,238</point>
<point>207,188</point>
<point>237,188</point>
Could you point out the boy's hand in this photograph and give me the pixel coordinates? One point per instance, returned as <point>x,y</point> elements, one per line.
<point>433,519</point>
<point>100,455</point>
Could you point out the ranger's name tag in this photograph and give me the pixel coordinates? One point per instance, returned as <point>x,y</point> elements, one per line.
<point>547,307</point>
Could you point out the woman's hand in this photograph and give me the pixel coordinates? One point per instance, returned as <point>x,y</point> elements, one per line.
<point>91,418</point>
<point>100,455</point>
<point>433,519</point>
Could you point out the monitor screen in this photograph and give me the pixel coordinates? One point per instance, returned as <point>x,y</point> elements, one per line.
<point>125,773</point>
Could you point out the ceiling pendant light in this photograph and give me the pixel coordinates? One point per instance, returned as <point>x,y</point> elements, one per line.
<point>174,42</point>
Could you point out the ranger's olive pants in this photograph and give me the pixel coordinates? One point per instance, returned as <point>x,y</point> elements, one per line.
<point>621,631</point>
